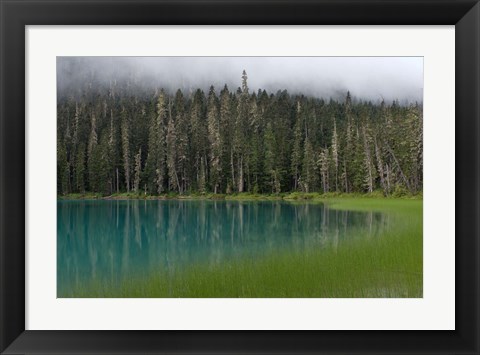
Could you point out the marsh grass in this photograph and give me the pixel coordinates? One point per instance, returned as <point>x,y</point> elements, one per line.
<point>244,196</point>
<point>390,265</point>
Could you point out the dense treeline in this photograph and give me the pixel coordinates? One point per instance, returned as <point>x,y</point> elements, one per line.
<point>120,139</point>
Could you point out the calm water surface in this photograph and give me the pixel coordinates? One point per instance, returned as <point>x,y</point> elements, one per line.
<point>106,241</point>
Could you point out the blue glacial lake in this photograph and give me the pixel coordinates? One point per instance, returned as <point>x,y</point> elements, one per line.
<point>105,241</point>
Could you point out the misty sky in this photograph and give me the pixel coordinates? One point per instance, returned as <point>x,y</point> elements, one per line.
<point>370,78</point>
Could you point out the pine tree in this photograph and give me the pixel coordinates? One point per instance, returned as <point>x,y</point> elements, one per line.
<point>309,167</point>
<point>297,146</point>
<point>256,158</point>
<point>380,167</point>
<point>100,155</point>
<point>199,143</point>
<point>171,141</point>
<point>126,148</point>
<point>226,147</point>
<point>76,124</point>
<point>323,164</point>
<point>111,154</point>
<point>241,132</point>
<point>93,140</point>
<point>160,130</point>
<point>368,160</point>
<point>63,170</point>
<point>348,155</point>
<point>93,156</point>
<point>80,169</point>
<point>282,113</point>
<point>74,147</point>
<point>270,165</point>
<point>202,177</point>
<point>335,150</point>
<point>138,171</point>
<point>155,164</point>
<point>215,166</point>
<point>182,140</point>
<point>414,132</point>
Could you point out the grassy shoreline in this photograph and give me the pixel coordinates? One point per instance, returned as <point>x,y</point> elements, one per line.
<point>388,266</point>
<point>291,196</point>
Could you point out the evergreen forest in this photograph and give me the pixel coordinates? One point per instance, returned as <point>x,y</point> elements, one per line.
<point>124,137</point>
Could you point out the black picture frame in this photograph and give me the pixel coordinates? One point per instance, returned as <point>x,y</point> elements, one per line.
<point>16,14</point>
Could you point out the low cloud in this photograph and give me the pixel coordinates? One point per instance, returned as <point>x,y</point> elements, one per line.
<point>367,78</point>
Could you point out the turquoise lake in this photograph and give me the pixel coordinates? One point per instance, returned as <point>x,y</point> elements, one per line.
<point>106,241</point>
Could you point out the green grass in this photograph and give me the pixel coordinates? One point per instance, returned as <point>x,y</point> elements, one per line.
<point>390,265</point>
<point>79,196</point>
<point>244,196</point>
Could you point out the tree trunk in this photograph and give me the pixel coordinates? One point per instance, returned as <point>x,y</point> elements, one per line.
<point>232,167</point>
<point>118,189</point>
<point>240,177</point>
<point>404,178</point>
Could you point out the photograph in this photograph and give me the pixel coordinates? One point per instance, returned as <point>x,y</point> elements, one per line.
<point>239,177</point>
<point>242,177</point>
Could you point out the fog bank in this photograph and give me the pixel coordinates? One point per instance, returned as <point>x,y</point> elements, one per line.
<point>367,78</point>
